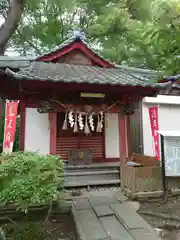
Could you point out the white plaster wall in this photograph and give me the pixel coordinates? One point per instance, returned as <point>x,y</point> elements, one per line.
<point>169,118</point>
<point>112,135</point>
<point>37,132</point>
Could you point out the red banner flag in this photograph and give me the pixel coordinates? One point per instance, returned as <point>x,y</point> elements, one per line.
<point>153,115</point>
<point>10,125</point>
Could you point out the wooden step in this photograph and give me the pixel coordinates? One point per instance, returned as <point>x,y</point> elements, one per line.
<point>94,167</point>
<point>74,174</point>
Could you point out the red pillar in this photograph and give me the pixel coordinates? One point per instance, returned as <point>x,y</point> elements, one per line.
<point>53,131</point>
<point>128,127</point>
<point>123,136</point>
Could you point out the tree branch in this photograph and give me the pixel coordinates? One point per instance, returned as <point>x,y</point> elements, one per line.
<point>49,212</point>
<point>30,42</point>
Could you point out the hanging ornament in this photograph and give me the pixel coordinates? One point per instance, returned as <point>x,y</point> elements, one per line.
<point>101,121</point>
<point>71,119</point>
<point>86,129</point>
<point>75,123</point>
<point>80,121</point>
<point>98,128</point>
<point>64,127</point>
<point>91,122</point>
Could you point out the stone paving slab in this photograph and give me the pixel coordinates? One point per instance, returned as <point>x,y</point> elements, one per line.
<point>88,225</point>
<point>129,217</point>
<point>117,194</point>
<point>115,229</point>
<point>104,217</point>
<point>82,204</point>
<point>102,211</point>
<point>86,194</point>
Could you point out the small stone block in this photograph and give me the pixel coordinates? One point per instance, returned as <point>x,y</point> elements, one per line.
<point>82,203</point>
<point>98,200</point>
<point>102,211</point>
<point>121,197</point>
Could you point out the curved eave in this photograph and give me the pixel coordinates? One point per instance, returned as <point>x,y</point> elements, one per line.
<point>170,79</point>
<point>81,81</point>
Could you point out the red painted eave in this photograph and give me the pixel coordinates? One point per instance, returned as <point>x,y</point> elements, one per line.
<point>74,46</point>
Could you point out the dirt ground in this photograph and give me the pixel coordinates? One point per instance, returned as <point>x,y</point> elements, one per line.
<point>57,228</point>
<point>164,216</point>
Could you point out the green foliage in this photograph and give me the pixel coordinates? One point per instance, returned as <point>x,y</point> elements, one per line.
<point>139,33</point>
<point>146,43</point>
<point>29,178</point>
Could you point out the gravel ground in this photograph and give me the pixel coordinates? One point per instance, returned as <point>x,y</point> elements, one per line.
<point>163,216</point>
<point>92,189</point>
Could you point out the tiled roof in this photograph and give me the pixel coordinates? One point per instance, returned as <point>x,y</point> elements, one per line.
<point>57,72</point>
<point>15,62</point>
<point>144,73</point>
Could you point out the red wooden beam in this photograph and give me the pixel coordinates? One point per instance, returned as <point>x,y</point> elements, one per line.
<point>76,45</point>
<point>86,87</point>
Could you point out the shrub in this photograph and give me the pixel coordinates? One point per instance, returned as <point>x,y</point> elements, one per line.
<point>29,178</point>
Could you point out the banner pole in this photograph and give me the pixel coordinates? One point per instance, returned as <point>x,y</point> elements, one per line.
<point>5,123</point>
<point>163,168</point>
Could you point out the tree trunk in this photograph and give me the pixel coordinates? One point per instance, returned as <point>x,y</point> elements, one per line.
<point>11,23</point>
<point>7,29</point>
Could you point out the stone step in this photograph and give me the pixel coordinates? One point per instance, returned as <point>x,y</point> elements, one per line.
<point>91,183</point>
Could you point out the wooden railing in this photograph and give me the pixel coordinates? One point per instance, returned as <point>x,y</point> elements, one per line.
<point>146,178</point>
